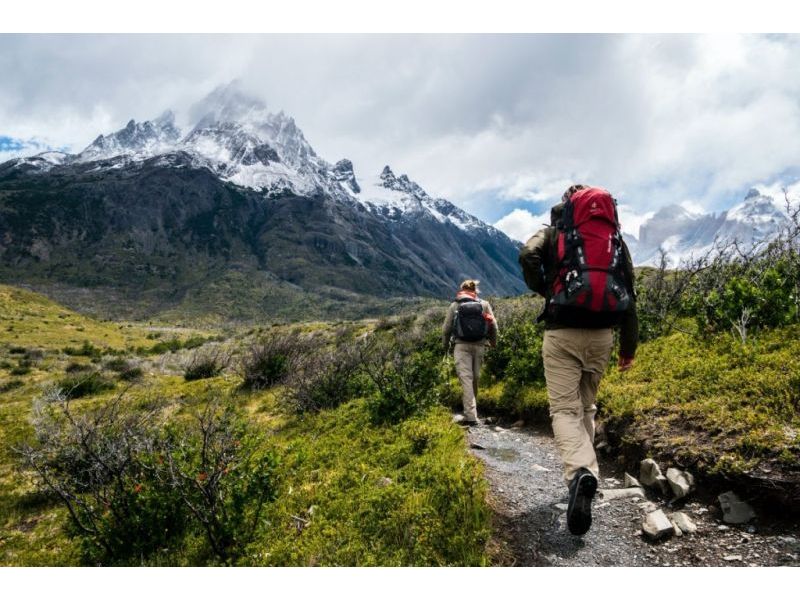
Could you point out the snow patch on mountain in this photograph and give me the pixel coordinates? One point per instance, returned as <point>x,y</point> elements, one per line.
<point>394,197</point>
<point>236,137</point>
<point>685,234</point>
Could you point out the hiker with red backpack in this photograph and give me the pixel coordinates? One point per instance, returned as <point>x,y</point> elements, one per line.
<point>582,267</point>
<point>471,324</point>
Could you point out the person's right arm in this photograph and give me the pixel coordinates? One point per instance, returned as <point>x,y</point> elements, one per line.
<point>532,258</point>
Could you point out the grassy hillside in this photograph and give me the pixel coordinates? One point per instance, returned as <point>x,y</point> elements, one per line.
<point>717,405</point>
<point>344,488</point>
<point>29,320</point>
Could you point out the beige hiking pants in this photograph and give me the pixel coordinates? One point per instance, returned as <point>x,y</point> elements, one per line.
<point>574,362</point>
<point>468,357</point>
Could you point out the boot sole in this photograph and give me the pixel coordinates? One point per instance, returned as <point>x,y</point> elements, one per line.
<point>579,515</point>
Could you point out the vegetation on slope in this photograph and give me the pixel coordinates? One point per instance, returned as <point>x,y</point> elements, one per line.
<point>354,482</point>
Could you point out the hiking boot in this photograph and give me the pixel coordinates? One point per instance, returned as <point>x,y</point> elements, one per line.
<point>579,510</point>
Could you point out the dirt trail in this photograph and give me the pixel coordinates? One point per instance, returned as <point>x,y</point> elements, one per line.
<point>525,478</point>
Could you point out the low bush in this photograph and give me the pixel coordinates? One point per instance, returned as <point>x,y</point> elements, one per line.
<point>135,484</point>
<point>84,384</point>
<point>518,355</point>
<point>9,385</point>
<point>132,373</point>
<point>206,364</point>
<point>326,378</point>
<point>20,369</point>
<point>170,345</point>
<point>269,360</point>
<point>404,384</point>
<point>86,349</point>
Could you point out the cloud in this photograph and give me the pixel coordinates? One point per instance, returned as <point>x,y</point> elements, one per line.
<point>480,119</point>
<point>11,147</point>
<point>521,224</point>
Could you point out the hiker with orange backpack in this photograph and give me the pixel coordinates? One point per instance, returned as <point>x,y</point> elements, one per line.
<point>582,267</point>
<point>471,323</point>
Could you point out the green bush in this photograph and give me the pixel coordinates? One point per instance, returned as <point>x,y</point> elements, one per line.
<point>269,361</point>
<point>518,355</point>
<point>405,385</point>
<point>326,379</point>
<point>170,345</point>
<point>82,384</point>
<point>132,373</point>
<point>135,484</point>
<point>9,385</point>
<point>206,364</point>
<point>86,349</point>
<point>759,296</point>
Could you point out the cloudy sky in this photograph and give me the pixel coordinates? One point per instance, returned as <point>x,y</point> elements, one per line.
<point>499,124</point>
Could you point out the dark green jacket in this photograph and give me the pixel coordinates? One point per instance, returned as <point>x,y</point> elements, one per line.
<point>538,267</point>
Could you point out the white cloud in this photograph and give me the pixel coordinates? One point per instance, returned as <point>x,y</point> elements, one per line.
<point>656,119</point>
<point>630,221</point>
<point>521,224</point>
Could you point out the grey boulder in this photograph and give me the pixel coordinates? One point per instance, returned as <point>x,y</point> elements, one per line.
<point>734,510</point>
<point>681,482</point>
<point>651,476</point>
<point>656,525</point>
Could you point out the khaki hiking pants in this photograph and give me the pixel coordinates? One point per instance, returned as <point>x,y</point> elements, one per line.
<point>468,357</point>
<point>574,362</point>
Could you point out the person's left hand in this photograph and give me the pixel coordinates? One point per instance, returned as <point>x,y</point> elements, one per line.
<point>625,363</point>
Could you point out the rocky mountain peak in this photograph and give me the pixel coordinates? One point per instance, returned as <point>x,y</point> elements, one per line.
<point>343,173</point>
<point>401,184</point>
<point>148,137</point>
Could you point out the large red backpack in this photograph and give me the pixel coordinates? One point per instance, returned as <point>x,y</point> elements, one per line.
<point>590,267</point>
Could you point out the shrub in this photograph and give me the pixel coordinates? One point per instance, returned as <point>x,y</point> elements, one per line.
<point>9,385</point>
<point>269,360</point>
<point>80,385</point>
<point>204,365</point>
<point>404,384</point>
<point>132,373</point>
<point>518,355</point>
<point>93,463</point>
<point>326,379</point>
<point>125,369</point>
<point>134,484</point>
<point>21,369</point>
<point>74,367</point>
<point>86,349</point>
<point>221,475</point>
<point>170,345</point>
<point>118,365</point>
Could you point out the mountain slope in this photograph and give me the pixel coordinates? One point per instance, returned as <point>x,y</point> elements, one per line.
<point>683,234</point>
<point>240,206</point>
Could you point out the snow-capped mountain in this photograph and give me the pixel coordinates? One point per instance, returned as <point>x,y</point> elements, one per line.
<point>397,197</point>
<point>173,215</point>
<point>684,234</point>
<point>140,140</point>
<point>237,138</point>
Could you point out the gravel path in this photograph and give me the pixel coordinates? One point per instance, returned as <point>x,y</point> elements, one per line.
<point>529,499</point>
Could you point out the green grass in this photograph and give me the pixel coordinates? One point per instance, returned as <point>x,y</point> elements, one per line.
<point>718,403</point>
<point>355,494</point>
<point>432,513</point>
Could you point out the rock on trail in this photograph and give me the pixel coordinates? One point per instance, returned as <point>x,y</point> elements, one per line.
<point>529,499</point>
